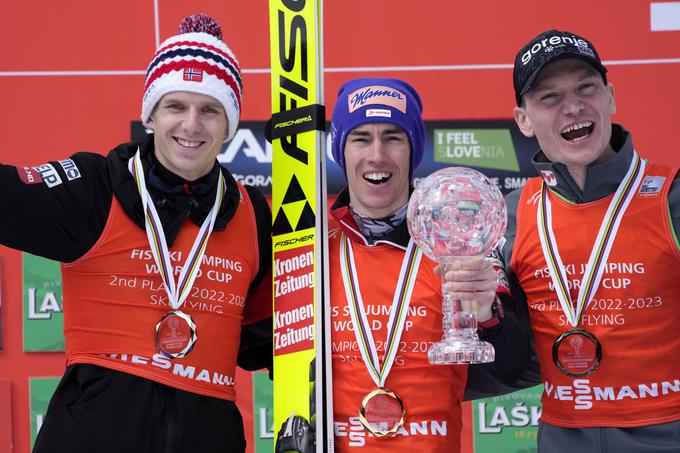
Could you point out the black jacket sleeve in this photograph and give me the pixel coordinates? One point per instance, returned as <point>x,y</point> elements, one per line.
<point>256,347</point>
<point>674,205</point>
<point>55,210</point>
<point>516,365</point>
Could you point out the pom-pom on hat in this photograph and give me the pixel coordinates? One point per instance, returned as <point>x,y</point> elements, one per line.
<point>196,60</point>
<point>377,100</point>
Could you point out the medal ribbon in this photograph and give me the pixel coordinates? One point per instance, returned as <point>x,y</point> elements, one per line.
<point>398,313</point>
<point>609,227</point>
<point>177,294</point>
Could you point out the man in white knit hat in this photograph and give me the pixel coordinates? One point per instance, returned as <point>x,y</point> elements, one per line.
<point>166,264</point>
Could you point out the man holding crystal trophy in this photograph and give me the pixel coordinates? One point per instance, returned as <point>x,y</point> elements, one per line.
<point>400,271</point>
<point>592,253</point>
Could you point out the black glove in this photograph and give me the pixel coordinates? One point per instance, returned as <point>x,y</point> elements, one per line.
<point>296,435</point>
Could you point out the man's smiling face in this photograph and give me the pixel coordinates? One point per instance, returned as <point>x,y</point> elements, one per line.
<point>377,159</point>
<point>189,130</point>
<point>569,111</point>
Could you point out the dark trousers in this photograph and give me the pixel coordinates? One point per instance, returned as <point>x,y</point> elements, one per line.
<point>98,410</point>
<point>661,438</point>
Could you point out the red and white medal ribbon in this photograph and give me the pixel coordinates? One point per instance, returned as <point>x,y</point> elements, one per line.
<point>177,293</point>
<point>398,310</point>
<point>599,254</point>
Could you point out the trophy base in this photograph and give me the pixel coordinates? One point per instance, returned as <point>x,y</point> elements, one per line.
<point>461,351</point>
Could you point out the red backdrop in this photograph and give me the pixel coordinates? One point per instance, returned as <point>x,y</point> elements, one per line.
<point>457,54</point>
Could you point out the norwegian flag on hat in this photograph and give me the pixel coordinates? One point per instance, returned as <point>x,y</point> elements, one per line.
<point>193,75</point>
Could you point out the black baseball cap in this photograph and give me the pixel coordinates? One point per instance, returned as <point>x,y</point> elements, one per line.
<point>550,46</point>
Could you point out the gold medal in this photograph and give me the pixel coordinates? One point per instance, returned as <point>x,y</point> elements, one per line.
<point>175,334</point>
<point>577,353</point>
<point>382,412</point>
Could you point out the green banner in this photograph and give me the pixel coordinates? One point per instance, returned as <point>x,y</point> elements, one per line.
<point>483,148</point>
<point>41,390</point>
<point>263,414</point>
<point>507,423</point>
<point>43,316</point>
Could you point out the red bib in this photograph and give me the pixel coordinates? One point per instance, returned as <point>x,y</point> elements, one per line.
<point>634,314</point>
<point>431,394</point>
<point>114,297</point>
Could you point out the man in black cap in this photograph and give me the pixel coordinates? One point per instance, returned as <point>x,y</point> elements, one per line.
<point>592,249</point>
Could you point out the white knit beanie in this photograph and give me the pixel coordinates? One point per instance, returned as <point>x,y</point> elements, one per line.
<point>196,60</point>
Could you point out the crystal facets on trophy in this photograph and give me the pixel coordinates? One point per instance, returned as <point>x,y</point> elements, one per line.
<point>457,213</point>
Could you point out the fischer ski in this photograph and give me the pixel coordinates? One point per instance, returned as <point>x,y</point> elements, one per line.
<point>302,369</point>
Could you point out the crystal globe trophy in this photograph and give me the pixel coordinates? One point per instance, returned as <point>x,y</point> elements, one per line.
<point>456,213</point>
